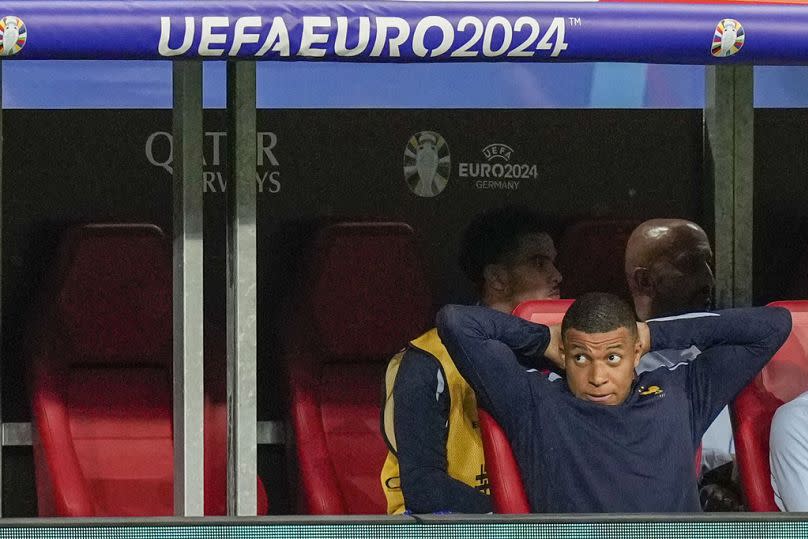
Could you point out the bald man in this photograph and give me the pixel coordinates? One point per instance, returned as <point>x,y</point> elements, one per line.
<point>669,272</point>
<point>669,268</point>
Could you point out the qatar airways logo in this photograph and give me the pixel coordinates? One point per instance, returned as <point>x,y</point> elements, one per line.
<point>160,153</point>
<point>318,36</point>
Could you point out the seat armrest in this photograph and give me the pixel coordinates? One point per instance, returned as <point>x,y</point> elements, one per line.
<point>53,447</point>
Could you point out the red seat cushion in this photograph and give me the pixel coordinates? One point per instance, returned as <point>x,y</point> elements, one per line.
<point>120,422</point>
<point>784,378</point>
<point>351,428</point>
<point>101,384</point>
<point>507,489</point>
<point>364,295</point>
<point>543,311</point>
<point>101,388</point>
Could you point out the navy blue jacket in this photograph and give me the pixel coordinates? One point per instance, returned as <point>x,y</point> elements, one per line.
<point>578,456</point>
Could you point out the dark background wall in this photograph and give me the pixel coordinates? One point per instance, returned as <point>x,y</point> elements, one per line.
<point>65,167</point>
<point>781,205</point>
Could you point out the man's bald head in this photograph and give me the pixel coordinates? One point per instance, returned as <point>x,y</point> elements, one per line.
<point>669,268</point>
<point>657,238</point>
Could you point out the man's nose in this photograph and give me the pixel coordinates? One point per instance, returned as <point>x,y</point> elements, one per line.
<point>556,275</point>
<point>597,374</point>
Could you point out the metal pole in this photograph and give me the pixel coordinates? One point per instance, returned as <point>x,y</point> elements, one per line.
<point>743,188</point>
<point>729,136</point>
<point>241,290</point>
<point>187,276</point>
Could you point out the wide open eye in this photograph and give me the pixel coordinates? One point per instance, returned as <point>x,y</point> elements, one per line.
<point>580,359</point>
<point>613,359</point>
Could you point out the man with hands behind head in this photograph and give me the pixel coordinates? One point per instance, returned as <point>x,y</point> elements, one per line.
<point>604,439</point>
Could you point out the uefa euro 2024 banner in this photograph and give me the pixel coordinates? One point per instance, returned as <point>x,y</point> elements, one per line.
<point>405,31</point>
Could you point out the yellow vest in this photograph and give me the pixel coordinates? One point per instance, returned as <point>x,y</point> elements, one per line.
<point>464,447</point>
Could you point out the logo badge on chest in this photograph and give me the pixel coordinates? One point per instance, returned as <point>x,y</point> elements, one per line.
<point>650,391</point>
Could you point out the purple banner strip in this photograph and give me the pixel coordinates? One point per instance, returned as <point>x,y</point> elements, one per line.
<point>401,31</point>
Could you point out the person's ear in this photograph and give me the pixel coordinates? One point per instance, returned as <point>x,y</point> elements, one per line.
<point>638,350</point>
<point>496,278</point>
<point>643,280</point>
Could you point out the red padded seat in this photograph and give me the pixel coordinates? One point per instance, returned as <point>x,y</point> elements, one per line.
<point>602,241</point>
<point>101,384</point>
<point>543,311</point>
<point>784,378</point>
<point>363,296</point>
<point>507,489</point>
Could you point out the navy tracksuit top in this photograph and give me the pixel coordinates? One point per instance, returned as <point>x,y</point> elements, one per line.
<point>578,456</point>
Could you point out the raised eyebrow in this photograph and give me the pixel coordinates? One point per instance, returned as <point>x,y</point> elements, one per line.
<point>577,349</point>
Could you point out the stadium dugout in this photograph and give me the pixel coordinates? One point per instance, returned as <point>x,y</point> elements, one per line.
<point>730,37</point>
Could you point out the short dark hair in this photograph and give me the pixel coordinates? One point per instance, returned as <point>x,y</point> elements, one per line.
<point>494,234</point>
<point>599,312</point>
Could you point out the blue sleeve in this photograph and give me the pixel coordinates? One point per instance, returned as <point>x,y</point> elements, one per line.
<point>486,346</point>
<point>735,345</point>
<point>421,416</point>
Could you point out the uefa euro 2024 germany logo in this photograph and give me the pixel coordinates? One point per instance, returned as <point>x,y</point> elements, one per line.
<point>13,35</point>
<point>728,38</point>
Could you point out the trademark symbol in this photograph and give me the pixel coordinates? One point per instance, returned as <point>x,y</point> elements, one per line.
<point>574,21</point>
